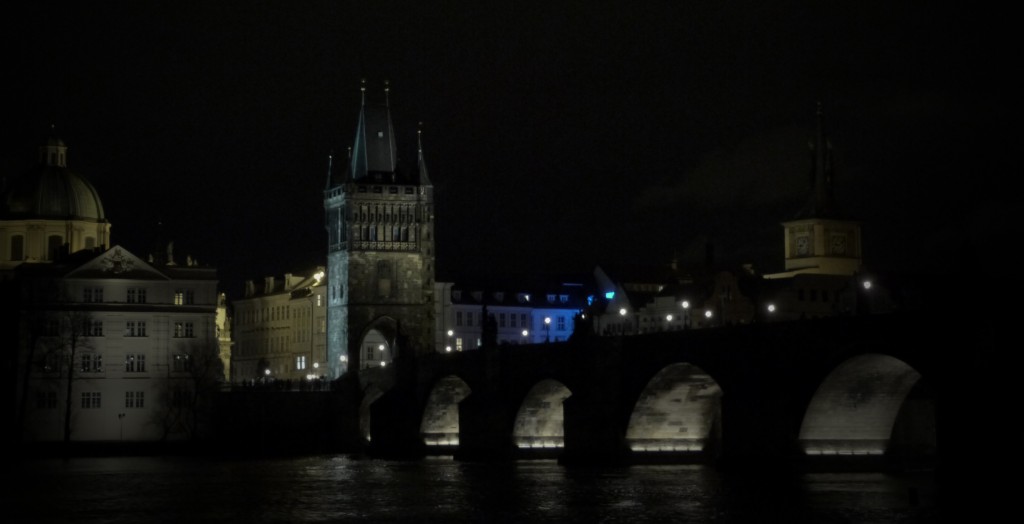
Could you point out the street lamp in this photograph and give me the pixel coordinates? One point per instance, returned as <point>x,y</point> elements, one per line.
<point>686,313</point>
<point>547,329</point>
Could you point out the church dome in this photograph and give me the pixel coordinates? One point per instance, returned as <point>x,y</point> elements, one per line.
<point>51,190</point>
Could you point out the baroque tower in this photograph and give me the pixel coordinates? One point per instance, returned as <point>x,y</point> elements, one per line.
<point>380,249</point>
<point>820,239</point>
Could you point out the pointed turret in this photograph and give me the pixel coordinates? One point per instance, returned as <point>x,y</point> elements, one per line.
<point>374,150</point>
<point>821,203</point>
<point>421,165</point>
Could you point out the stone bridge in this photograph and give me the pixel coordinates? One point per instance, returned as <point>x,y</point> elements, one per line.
<point>866,389</point>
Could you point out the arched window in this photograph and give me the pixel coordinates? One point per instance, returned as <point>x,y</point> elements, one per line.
<point>17,247</point>
<point>53,245</point>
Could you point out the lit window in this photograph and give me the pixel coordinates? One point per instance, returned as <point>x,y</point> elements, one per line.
<point>300,362</point>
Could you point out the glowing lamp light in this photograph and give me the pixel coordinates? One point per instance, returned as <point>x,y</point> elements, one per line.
<point>526,333</point>
<point>609,295</point>
<point>381,347</point>
<point>316,365</point>
<point>383,364</point>
<point>867,284</point>
<point>622,311</point>
<point>448,349</point>
<point>707,313</point>
<point>685,304</point>
<point>450,332</point>
<point>343,358</point>
<point>771,308</point>
<point>547,320</point>
<point>266,372</point>
<point>668,318</point>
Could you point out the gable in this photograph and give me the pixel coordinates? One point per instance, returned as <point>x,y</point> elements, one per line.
<point>117,262</point>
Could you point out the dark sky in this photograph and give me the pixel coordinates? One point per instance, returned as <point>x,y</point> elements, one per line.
<point>558,134</point>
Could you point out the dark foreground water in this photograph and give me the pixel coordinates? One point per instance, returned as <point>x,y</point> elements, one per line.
<point>345,489</point>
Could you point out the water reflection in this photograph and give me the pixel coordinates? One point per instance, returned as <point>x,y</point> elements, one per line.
<point>340,488</point>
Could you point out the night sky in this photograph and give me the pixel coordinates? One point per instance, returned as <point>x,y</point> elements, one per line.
<point>558,135</point>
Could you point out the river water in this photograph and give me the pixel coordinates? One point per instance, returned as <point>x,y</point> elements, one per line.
<point>339,488</point>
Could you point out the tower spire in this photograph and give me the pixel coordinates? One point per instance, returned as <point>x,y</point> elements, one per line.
<point>822,203</point>
<point>421,164</point>
<point>374,150</point>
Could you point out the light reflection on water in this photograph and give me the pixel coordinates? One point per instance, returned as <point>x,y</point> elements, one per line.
<point>341,489</point>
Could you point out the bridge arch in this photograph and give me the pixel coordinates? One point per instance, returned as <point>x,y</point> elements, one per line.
<point>678,411</point>
<point>378,343</point>
<point>439,426</point>
<point>540,420</point>
<point>858,408</point>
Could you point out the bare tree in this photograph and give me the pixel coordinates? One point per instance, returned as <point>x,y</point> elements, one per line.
<point>186,393</point>
<point>57,332</point>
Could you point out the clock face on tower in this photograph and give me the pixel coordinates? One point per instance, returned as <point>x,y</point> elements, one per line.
<point>803,245</point>
<point>839,244</point>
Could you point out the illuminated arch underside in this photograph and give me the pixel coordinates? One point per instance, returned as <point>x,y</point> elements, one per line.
<point>676,411</point>
<point>855,408</point>
<point>540,420</point>
<point>440,424</point>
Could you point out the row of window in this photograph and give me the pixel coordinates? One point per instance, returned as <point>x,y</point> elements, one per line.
<point>270,314</point>
<point>384,233</point>
<point>499,296</point>
<point>504,320</point>
<point>385,213</point>
<point>393,190</point>
<point>94,399</point>
<point>133,328</point>
<point>813,295</point>
<point>137,295</point>
<point>53,245</point>
<point>133,363</point>
<point>91,400</point>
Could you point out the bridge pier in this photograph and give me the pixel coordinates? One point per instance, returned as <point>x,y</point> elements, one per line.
<point>594,431</point>
<point>484,431</point>
<point>757,430</point>
<point>394,427</point>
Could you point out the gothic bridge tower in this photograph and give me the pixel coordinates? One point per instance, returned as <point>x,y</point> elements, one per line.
<point>380,249</point>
